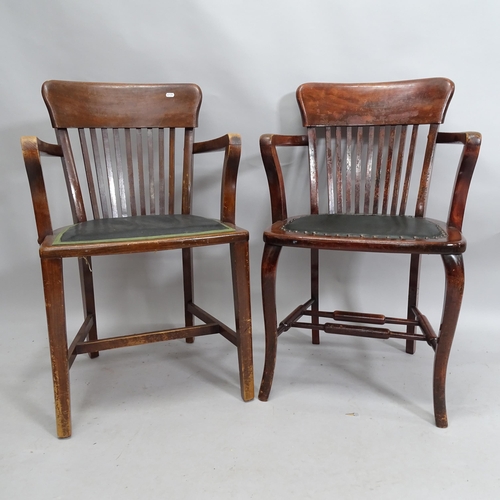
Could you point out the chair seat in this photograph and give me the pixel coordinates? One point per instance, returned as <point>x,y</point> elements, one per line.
<point>367,233</point>
<point>139,234</point>
<point>139,228</point>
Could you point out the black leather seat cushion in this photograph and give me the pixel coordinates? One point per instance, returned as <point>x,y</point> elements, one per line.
<point>366,226</point>
<point>138,228</point>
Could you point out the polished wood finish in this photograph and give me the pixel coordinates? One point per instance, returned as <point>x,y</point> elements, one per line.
<point>371,147</point>
<point>129,140</point>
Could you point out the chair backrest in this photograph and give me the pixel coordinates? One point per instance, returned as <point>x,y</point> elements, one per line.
<point>127,140</point>
<point>371,135</point>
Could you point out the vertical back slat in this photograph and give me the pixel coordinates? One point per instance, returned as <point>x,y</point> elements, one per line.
<point>119,171</point>
<point>398,173</point>
<point>88,172</point>
<point>313,171</point>
<point>140,171</point>
<point>151,172</point>
<point>71,177</point>
<point>388,169</point>
<point>338,169</point>
<point>348,170</point>
<point>426,171</point>
<point>171,171</point>
<point>130,172</point>
<point>409,169</point>
<point>358,175</point>
<point>369,167</point>
<point>329,170</point>
<point>109,173</point>
<point>161,169</point>
<point>187,171</point>
<point>378,170</point>
<point>99,173</point>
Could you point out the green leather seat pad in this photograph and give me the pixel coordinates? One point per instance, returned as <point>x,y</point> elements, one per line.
<point>366,226</point>
<point>139,228</point>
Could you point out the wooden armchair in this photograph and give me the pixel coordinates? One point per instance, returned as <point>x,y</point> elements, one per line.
<point>126,137</point>
<point>363,148</point>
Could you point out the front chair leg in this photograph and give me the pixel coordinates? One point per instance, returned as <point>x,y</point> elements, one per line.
<point>187,271</point>
<point>269,266</point>
<point>241,291</point>
<point>52,273</point>
<point>454,271</point>
<point>87,284</point>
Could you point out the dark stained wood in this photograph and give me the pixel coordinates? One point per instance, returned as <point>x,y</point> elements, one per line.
<point>130,170</point>
<point>268,276</point>
<point>387,103</point>
<point>409,170</point>
<point>81,105</point>
<point>388,169</point>
<point>231,145</point>
<point>53,285</point>
<point>171,170</point>
<point>315,292</point>
<point>374,165</point>
<point>145,338</point>
<point>454,270</point>
<point>33,148</point>
<point>413,286</point>
<point>241,293</point>
<point>268,144</point>
<point>378,175</point>
<point>369,170</point>
<point>470,152</point>
<point>87,289</point>
<point>348,171</point>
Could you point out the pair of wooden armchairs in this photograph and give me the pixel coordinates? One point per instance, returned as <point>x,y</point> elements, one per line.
<point>362,143</point>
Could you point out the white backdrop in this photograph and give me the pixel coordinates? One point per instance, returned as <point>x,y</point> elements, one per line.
<point>248,57</point>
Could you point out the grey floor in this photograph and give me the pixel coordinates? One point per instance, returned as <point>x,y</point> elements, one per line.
<point>351,418</point>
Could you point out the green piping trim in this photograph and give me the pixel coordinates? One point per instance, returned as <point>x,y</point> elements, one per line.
<point>57,240</point>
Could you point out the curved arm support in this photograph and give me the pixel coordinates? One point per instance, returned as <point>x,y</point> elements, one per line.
<point>33,148</point>
<point>268,144</point>
<point>231,145</point>
<point>470,153</point>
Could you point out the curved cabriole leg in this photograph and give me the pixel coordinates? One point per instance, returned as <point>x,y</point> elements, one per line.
<point>56,324</point>
<point>454,271</point>
<point>268,277</point>
<point>241,291</point>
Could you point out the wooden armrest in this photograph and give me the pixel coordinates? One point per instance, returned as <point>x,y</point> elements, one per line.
<point>472,144</point>
<point>268,144</point>
<point>284,140</point>
<point>231,145</point>
<point>32,148</point>
<point>217,144</point>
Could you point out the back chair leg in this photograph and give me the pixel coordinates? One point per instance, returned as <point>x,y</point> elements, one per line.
<point>411,345</point>
<point>187,270</point>
<point>56,322</point>
<point>268,277</point>
<point>241,291</point>
<point>315,292</point>
<point>454,271</point>
<point>87,283</point>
